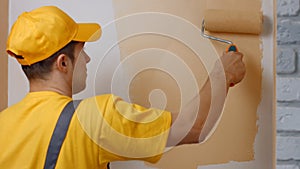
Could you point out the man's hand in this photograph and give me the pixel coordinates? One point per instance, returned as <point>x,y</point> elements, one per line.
<point>234,67</point>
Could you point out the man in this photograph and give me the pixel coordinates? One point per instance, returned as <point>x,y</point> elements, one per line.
<point>49,46</point>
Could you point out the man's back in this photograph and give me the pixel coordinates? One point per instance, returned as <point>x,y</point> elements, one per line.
<point>26,129</point>
<point>100,132</point>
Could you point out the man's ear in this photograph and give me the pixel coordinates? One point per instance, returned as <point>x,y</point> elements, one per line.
<point>63,62</point>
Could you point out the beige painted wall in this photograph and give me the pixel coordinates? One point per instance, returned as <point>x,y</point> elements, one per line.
<point>234,137</point>
<point>3,55</point>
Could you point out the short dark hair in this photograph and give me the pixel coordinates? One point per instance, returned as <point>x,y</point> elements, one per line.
<point>41,69</point>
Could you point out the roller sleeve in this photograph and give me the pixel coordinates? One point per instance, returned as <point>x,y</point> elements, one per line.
<point>233,21</point>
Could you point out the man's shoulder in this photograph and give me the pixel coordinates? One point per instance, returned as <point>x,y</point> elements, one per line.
<point>98,100</point>
<point>103,97</point>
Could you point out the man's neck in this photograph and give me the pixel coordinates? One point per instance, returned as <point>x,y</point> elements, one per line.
<point>56,85</point>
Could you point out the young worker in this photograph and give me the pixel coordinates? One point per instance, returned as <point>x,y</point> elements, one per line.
<point>48,44</point>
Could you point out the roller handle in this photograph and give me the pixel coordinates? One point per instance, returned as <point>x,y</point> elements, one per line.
<point>232,48</point>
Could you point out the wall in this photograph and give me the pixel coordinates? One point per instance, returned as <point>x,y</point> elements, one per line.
<point>288,84</point>
<point>264,134</point>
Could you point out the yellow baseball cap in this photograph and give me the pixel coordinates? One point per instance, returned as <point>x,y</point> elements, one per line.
<point>38,34</point>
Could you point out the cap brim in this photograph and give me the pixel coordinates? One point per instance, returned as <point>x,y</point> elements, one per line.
<point>88,32</point>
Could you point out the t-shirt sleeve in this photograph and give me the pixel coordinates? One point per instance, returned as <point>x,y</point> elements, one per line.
<point>126,131</point>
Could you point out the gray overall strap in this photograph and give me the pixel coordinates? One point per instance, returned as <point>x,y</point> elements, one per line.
<point>59,134</point>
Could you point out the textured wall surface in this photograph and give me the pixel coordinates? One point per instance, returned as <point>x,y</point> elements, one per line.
<point>288,84</point>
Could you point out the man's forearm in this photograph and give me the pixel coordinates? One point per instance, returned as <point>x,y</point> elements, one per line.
<point>190,123</point>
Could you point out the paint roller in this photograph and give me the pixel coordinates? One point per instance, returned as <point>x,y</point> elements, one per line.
<point>231,21</point>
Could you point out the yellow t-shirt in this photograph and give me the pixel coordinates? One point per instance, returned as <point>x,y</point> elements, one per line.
<point>103,129</point>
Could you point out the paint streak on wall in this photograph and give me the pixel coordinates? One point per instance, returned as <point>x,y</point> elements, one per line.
<point>234,137</point>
